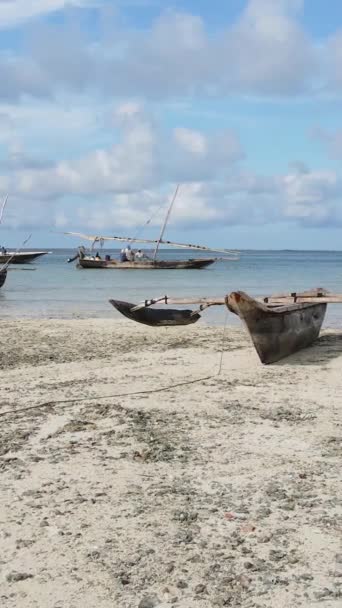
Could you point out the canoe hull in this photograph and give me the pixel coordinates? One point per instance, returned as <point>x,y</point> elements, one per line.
<point>21,257</point>
<point>156,317</point>
<point>146,265</point>
<point>3,275</point>
<point>278,331</point>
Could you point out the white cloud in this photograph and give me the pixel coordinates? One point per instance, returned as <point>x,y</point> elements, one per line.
<point>191,141</point>
<point>268,50</point>
<point>313,196</point>
<point>265,52</point>
<point>16,11</point>
<point>142,157</point>
<point>111,168</point>
<point>333,61</point>
<point>122,185</point>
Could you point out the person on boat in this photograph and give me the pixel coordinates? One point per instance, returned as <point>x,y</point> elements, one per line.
<point>129,254</point>
<point>140,255</point>
<point>97,256</point>
<point>123,257</point>
<point>3,250</point>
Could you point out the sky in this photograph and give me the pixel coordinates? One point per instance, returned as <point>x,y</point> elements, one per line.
<point>107,105</point>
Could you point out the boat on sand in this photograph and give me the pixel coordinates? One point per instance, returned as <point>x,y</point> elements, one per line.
<point>278,325</point>
<point>280,330</point>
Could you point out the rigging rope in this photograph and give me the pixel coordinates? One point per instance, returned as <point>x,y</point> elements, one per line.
<point>63,403</point>
<point>142,226</point>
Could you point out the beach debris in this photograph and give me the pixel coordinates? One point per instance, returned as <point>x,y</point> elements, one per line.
<point>200,588</point>
<point>277,554</point>
<point>15,577</point>
<point>284,414</point>
<point>230,515</point>
<point>77,426</point>
<point>149,601</point>
<point>248,528</point>
<point>323,593</point>
<point>185,516</point>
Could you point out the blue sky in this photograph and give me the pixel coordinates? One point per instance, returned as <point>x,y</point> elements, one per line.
<point>106,106</point>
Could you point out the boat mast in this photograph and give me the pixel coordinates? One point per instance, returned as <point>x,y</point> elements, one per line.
<point>4,202</point>
<point>165,223</point>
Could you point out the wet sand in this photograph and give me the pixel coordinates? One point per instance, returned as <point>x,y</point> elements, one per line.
<point>222,492</point>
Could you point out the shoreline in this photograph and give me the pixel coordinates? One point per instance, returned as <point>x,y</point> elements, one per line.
<point>214,322</point>
<point>222,491</point>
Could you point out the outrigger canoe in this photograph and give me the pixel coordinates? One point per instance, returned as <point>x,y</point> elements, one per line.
<point>278,325</point>
<point>156,317</point>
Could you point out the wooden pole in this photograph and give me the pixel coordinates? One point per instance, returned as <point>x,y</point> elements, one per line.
<point>272,301</point>
<point>180,302</point>
<point>331,299</point>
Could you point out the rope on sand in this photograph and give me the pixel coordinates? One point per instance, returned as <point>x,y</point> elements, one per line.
<point>63,403</point>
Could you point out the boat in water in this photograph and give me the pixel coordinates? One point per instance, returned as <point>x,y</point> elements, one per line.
<point>278,325</point>
<point>20,257</point>
<point>14,257</point>
<point>144,262</point>
<point>89,261</point>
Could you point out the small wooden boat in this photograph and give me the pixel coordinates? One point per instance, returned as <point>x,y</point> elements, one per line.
<point>90,262</point>
<point>3,275</point>
<point>20,257</point>
<point>155,317</point>
<point>146,263</point>
<point>278,325</point>
<point>14,257</point>
<point>278,331</point>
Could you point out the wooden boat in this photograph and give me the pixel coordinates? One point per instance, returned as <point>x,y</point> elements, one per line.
<point>155,317</point>
<point>20,257</point>
<point>278,331</point>
<point>146,263</point>
<point>3,276</point>
<point>278,325</point>
<point>90,262</point>
<point>14,257</point>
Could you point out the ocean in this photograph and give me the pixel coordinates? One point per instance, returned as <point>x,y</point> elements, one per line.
<point>52,288</point>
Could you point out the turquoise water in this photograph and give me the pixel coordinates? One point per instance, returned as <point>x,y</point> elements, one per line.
<point>55,289</point>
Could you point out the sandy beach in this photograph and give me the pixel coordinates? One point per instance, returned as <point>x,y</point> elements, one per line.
<point>221,492</point>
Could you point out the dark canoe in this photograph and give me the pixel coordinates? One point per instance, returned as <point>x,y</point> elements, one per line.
<point>156,316</point>
<point>3,275</point>
<point>147,264</point>
<point>20,257</point>
<point>278,331</point>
